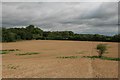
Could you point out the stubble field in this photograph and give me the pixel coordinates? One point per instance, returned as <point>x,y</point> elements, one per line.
<point>57,59</point>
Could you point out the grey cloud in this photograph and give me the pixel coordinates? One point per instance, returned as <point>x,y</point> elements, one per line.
<point>79,17</point>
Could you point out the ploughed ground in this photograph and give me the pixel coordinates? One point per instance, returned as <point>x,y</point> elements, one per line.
<point>46,64</point>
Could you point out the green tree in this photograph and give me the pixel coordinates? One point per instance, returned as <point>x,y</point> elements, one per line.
<point>116,38</point>
<point>32,32</point>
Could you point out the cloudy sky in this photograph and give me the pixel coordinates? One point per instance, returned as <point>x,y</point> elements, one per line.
<point>79,17</point>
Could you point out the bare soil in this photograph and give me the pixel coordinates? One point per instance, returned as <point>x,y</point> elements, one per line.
<point>47,65</point>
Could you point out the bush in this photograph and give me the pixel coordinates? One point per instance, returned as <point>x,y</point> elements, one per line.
<point>101,49</point>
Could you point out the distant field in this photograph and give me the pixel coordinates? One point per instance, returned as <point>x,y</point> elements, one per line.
<point>57,59</point>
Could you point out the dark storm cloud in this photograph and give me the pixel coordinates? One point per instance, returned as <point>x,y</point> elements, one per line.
<point>78,17</point>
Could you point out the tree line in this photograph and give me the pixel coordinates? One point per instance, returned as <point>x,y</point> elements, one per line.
<point>34,33</point>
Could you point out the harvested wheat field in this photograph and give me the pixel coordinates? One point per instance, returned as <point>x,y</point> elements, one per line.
<point>57,59</point>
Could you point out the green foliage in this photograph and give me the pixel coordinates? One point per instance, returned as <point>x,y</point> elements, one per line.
<point>116,38</point>
<point>101,49</point>
<point>91,57</point>
<point>8,51</point>
<point>15,34</point>
<point>71,57</point>
<point>3,52</point>
<point>11,50</point>
<point>28,53</point>
<point>31,32</point>
<point>103,58</point>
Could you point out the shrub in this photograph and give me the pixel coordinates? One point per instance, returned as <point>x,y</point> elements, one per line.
<point>101,48</point>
